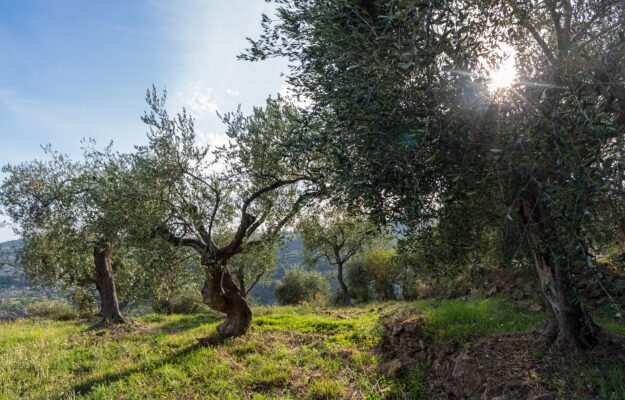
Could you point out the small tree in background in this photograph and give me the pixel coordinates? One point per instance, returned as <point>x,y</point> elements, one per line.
<point>335,237</point>
<point>253,266</point>
<point>300,285</point>
<point>376,274</point>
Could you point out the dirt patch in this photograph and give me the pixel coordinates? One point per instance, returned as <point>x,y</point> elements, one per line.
<point>505,366</point>
<point>99,332</point>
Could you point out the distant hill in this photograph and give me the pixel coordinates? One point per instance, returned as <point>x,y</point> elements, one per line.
<point>17,289</point>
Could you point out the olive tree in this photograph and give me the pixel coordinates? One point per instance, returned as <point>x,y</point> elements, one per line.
<point>417,134</point>
<point>66,213</point>
<point>222,202</point>
<point>335,237</point>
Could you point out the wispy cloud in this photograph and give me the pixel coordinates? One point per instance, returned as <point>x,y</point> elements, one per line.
<point>196,97</point>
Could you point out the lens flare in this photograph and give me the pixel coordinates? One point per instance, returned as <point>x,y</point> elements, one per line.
<point>503,77</point>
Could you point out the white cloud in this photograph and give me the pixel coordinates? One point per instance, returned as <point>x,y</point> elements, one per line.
<point>196,98</point>
<point>211,138</point>
<point>300,101</point>
<point>232,92</point>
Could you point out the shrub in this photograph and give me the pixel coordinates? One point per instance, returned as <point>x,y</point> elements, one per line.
<point>375,274</point>
<point>187,302</point>
<point>300,286</point>
<point>51,309</point>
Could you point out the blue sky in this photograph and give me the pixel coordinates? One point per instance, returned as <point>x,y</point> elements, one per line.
<point>71,69</point>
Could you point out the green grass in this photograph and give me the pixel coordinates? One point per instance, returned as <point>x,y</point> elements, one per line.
<point>608,377</point>
<point>290,353</point>
<point>466,319</point>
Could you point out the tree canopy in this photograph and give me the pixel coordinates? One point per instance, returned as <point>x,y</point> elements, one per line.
<point>222,202</point>
<point>415,135</point>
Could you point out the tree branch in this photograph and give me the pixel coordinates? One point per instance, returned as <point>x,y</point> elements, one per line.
<point>255,282</point>
<point>179,241</point>
<point>525,22</point>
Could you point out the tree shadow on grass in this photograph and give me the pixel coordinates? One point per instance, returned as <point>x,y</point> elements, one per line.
<point>86,387</point>
<point>189,322</point>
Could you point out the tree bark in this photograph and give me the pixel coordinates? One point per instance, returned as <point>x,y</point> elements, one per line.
<point>109,305</point>
<point>346,300</point>
<point>221,294</point>
<point>568,325</point>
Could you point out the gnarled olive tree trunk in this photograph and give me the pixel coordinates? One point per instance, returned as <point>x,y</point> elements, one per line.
<point>569,325</point>
<point>221,294</point>
<point>109,305</point>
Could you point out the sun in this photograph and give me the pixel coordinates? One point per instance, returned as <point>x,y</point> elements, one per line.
<point>502,77</point>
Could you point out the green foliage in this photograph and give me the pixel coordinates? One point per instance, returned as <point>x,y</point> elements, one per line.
<point>375,274</point>
<point>226,205</point>
<point>63,210</point>
<point>300,285</point>
<point>413,134</point>
<point>331,235</point>
<point>51,309</point>
<point>186,302</point>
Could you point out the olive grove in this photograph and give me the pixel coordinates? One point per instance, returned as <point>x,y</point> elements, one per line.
<point>415,133</point>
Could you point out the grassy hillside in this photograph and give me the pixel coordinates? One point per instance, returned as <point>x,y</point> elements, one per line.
<point>291,353</point>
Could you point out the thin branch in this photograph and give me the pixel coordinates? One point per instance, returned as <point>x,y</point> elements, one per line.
<point>255,282</point>
<point>247,220</point>
<point>525,22</point>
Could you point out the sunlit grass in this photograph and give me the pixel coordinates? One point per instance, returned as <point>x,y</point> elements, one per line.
<point>291,352</point>
<point>302,352</point>
<point>464,319</point>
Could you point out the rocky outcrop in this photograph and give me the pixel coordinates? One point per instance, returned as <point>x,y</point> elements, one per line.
<point>405,344</point>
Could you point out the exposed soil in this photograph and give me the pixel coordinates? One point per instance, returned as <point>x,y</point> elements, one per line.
<point>523,366</point>
<point>505,366</point>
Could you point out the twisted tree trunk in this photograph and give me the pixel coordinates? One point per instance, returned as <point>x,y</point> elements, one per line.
<point>569,325</point>
<point>221,294</point>
<point>109,305</point>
